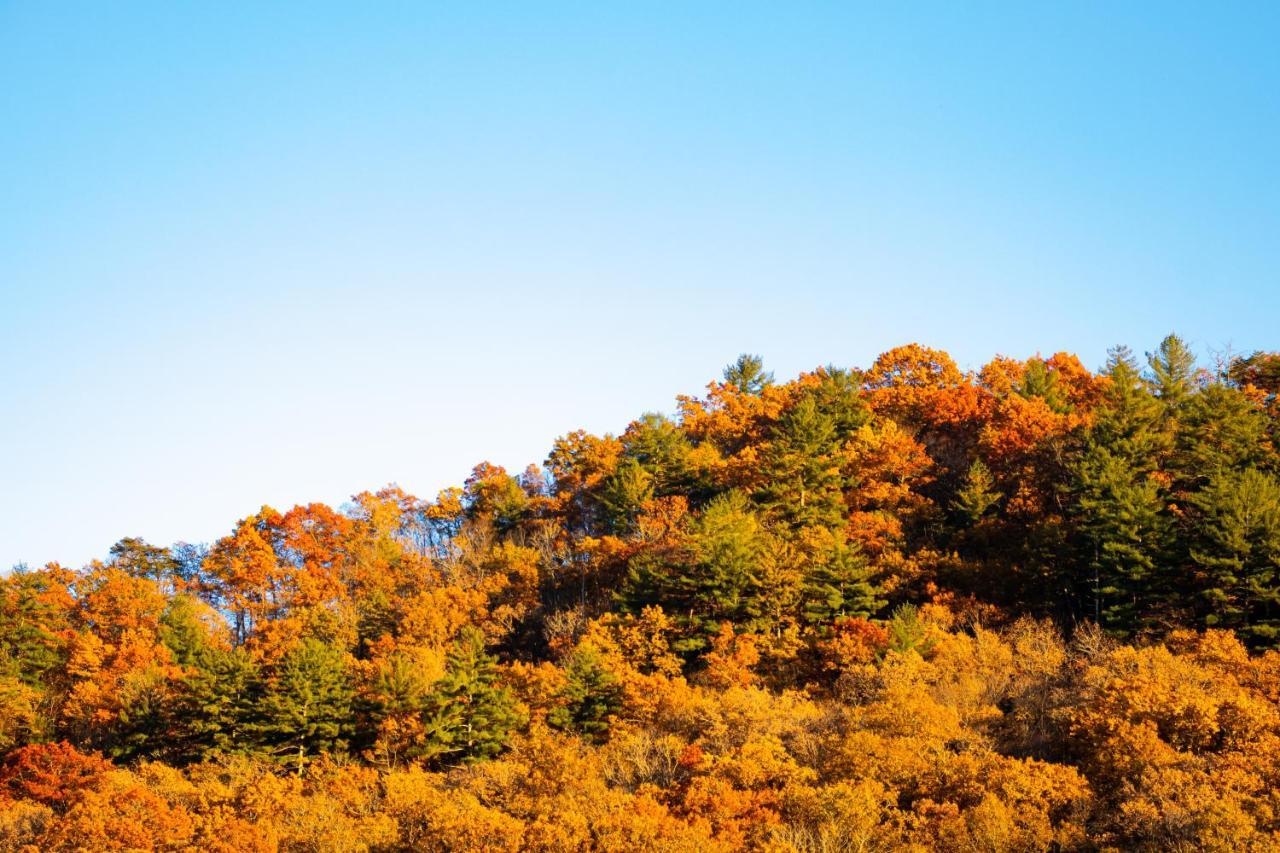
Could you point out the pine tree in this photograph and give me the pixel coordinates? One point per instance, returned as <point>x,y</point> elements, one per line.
<point>148,716</point>
<point>591,696</point>
<point>468,716</point>
<point>221,708</point>
<point>907,633</point>
<point>143,560</point>
<point>1171,372</point>
<point>748,375</point>
<point>839,585</point>
<point>624,492</point>
<point>1219,430</point>
<point>839,397</point>
<point>182,631</point>
<point>35,610</point>
<point>1039,381</point>
<point>712,577</point>
<point>306,708</point>
<point>801,468</point>
<point>1123,520</point>
<point>1120,507</point>
<point>978,495</point>
<point>661,449</point>
<point>1237,547</point>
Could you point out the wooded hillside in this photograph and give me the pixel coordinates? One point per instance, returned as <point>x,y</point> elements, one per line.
<point>1030,607</point>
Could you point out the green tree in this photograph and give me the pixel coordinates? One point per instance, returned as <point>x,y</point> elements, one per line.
<point>591,696</point>
<point>1120,506</point>
<point>221,708</point>
<point>143,560</point>
<point>1172,368</point>
<point>839,396</point>
<point>1237,548</point>
<point>624,492</point>
<point>748,375</point>
<point>183,631</point>
<point>801,469</point>
<point>35,622</point>
<point>839,585</point>
<point>712,577</point>
<point>468,715</point>
<point>907,633</point>
<point>147,720</point>
<point>662,449</point>
<point>1039,381</point>
<point>977,495</point>
<point>1220,430</point>
<point>306,707</point>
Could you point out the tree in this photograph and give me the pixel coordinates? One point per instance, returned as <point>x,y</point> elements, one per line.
<point>1261,370</point>
<point>1171,372</point>
<point>801,469</point>
<point>1219,430</point>
<point>624,493</point>
<point>748,375</point>
<point>222,705</point>
<point>592,695</point>
<point>978,495</point>
<point>468,716</point>
<point>1123,520</point>
<point>1237,547</point>
<point>1120,504</point>
<point>185,628</point>
<point>306,705</point>
<point>1039,381</point>
<point>838,585</point>
<point>140,559</point>
<point>662,449</point>
<point>907,633</point>
<point>712,576</point>
<point>36,609</point>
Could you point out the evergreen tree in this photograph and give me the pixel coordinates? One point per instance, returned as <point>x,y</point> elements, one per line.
<point>1237,548</point>
<point>591,697</point>
<point>1039,381</point>
<point>977,495</point>
<point>182,631</point>
<point>713,577</point>
<point>1120,506</point>
<point>468,716</point>
<point>748,375</point>
<point>624,492</point>
<point>839,397</point>
<point>801,469</point>
<point>907,633</point>
<point>1172,368</point>
<point>839,585</point>
<point>143,560</point>
<point>221,708</point>
<point>34,623</point>
<point>147,719</point>
<point>1128,420</point>
<point>306,707</point>
<point>399,688</point>
<point>661,449</point>
<point>1220,430</point>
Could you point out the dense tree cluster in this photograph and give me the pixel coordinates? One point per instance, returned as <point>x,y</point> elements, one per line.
<point>1029,607</point>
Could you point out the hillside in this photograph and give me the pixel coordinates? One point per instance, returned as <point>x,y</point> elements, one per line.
<point>902,607</point>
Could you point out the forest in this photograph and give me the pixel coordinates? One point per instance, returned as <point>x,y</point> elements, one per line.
<point>901,607</point>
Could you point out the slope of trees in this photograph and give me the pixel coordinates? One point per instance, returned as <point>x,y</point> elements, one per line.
<point>1030,607</point>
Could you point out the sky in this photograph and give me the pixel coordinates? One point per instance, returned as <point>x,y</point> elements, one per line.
<point>279,253</point>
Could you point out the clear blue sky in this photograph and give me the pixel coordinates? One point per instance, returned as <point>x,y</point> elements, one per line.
<point>271,253</point>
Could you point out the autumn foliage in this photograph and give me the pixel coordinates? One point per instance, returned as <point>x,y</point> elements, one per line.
<point>1026,607</point>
